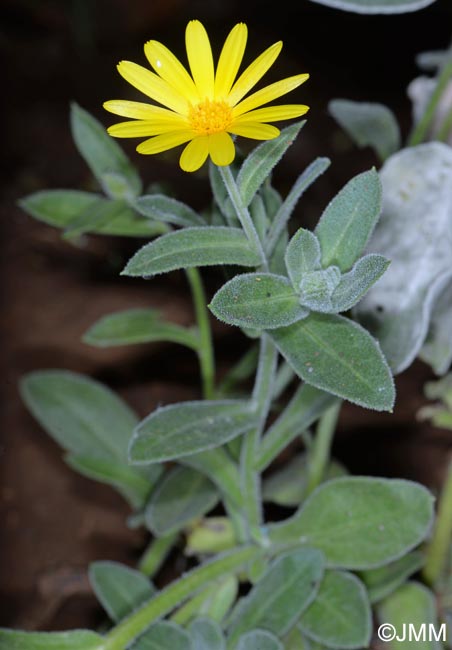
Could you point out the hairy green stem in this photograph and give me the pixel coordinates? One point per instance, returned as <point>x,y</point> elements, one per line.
<point>262,398</point>
<point>156,553</point>
<point>169,598</point>
<point>243,213</point>
<point>205,345</point>
<point>320,451</point>
<point>420,131</point>
<point>439,546</point>
<point>445,128</point>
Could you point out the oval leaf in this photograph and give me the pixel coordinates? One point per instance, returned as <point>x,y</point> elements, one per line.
<point>357,282</point>
<point>276,602</point>
<point>368,124</point>
<point>377,6</point>
<point>259,640</point>
<point>338,356</point>
<point>257,300</point>
<point>76,640</point>
<point>167,209</point>
<point>382,582</point>
<point>302,255</point>
<point>392,516</point>
<point>259,163</point>
<point>348,221</point>
<point>164,635</point>
<point>206,634</point>
<point>182,495</point>
<point>118,588</point>
<point>183,429</point>
<point>193,247</point>
<point>340,616</point>
<point>137,326</point>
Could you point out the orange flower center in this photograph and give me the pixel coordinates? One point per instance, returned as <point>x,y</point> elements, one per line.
<point>209,117</point>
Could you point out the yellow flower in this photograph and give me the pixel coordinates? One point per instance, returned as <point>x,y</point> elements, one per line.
<point>204,108</point>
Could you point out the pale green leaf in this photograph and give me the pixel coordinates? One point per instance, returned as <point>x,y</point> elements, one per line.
<point>276,602</point>
<point>377,6</point>
<point>164,635</point>
<point>206,634</point>
<point>415,605</point>
<point>259,163</point>
<point>257,300</point>
<point>361,522</point>
<point>137,326</point>
<point>183,429</point>
<point>181,496</point>
<point>103,155</point>
<point>167,209</point>
<point>259,640</point>
<point>74,640</point>
<point>119,588</point>
<point>382,582</point>
<point>317,287</point>
<point>340,617</point>
<point>338,356</point>
<point>356,283</point>
<point>302,255</point>
<point>368,124</point>
<point>348,221</point>
<point>190,247</point>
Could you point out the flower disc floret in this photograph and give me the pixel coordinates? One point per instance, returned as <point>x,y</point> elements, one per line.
<point>203,107</point>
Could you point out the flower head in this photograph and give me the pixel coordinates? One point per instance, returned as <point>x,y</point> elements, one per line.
<point>202,108</point>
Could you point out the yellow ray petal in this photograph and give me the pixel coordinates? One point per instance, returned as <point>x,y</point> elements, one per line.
<point>145,128</point>
<point>171,70</point>
<point>137,110</point>
<point>200,58</point>
<point>195,153</point>
<point>230,59</point>
<point>269,93</point>
<point>255,130</point>
<point>273,114</point>
<point>221,149</point>
<point>153,86</point>
<point>253,73</point>
<point>164,142</point>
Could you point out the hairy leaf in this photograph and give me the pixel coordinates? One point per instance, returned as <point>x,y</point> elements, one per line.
<point>377,6</point>
<point>357,282</point>
<point>382,582</point>
<point>259,640</point>
<point>206,634</point>
<point>302,256</point>
<point>164,635</point>
<point>167,209</point>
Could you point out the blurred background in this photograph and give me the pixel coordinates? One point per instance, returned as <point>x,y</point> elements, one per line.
<point>57,51</point>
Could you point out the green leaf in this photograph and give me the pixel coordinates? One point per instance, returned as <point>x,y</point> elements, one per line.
<point>259,163</point>
<point>59,208</point>
<point>276,602</point>
<point>340,617</point>
<point>257,300</point>
<point>167,209</point>
<point>88,221</point>
<point>368,124</point>
<point>207,246</point>
<point>348,221</point>
<point>183,429</point>
<point>287,487</point>
<point>413,232</point>
<point>206,634</point>
<point>134,486</point>
<point>259,640</point>
<point>357,282</point>
<point>137,326</point>
<point>415,605</point>
<point>75,640</point>
<point>164,635</point>
<point>338,356</point>
<point>104,157</point>
<point>118,588</point>
<point>377,6</point>
<point>437,348</point>
<point>317,288</point>
<point>82,415</point>
<point>302,255</point>
<point>361,522</point>
<point>382,582</point>
<point>181,496</point>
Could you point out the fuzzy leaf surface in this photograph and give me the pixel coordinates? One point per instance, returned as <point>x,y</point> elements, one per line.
<point>164,208</point>
<point>361,522</point>
<point>183,429</point>
<point>356,283</point>
<point>340,616</point>
<point>338,356</point>
<point>206,634</point>
<point>278,599</point>
<point>348,221</point>
<point>382,582</point>
<point>257,300</point>
<point>302,255</point>
<point>164,635</point>
<point>119,588</point>
<point>182,495</point>
<point>190,247</point>
<point>259,640</point>
<point>376,6</point>
<point>368,124</point>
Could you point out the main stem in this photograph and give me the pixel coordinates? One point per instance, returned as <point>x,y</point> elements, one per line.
<point>320,452</point>
<point>205,346</point>
<point>243,213</point>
